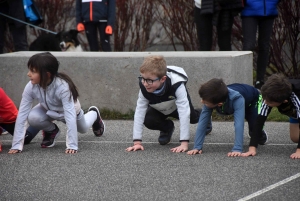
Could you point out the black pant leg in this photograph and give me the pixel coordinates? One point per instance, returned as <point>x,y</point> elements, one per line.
<point>249,29</point>
<point>19,35</point>
<point>104,38</point>
<point>204,28</point>
<point>92,36</point>
<point>10,128</point>
<point>155,120</point>
<point>3,9</point>
<point>265,28</point>
<point>224,36</point>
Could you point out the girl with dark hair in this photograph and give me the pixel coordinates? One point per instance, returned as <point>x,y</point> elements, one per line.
<point>58,100</point>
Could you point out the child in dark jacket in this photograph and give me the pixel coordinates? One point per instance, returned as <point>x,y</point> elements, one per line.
<point>283,93</point>
<point>241,100</point>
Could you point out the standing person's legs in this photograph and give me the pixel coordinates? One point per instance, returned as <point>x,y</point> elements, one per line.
<point>3,9</point>
<point>265,28</point>
<point>204,29</point>
<point>249,29</point>
<point>224,33</point>
<point>92,36</point>
<point>19,36</point>
<point>104,38</point>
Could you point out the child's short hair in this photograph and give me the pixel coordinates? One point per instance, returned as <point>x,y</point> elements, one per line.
<point>214,91</point>
<point>155,65</point>
<point>276,89</point>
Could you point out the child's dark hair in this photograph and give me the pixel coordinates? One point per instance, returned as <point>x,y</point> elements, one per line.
<point>214,91</point>
<point>276,89</point>
<point>46,62</point>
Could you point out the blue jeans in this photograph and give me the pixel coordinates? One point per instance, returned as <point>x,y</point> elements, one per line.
<point>265,27</point>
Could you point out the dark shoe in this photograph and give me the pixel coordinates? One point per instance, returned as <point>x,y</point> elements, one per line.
<point>263,139</point>
<point>165,138</point>
<point>49,137</point>
<point>98,126</point>
<point>258,84</point>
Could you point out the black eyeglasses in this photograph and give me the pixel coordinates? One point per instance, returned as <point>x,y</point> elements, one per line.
<point>149,81</point>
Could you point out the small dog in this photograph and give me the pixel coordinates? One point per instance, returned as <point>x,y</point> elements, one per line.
<point>65,41</point>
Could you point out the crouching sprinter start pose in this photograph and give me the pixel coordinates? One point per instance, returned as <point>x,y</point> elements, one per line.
<point>163,94</point>
<point>57,96</point>
<point>241,100</point>
<point>283,93</point>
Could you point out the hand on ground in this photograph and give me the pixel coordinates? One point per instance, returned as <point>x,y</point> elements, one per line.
<point>296,155</point>
<point>234,154</point>
<point>71,151</point>
<point>251,152</point>
<point>181,148</point>
<point>14,151</point>
<point>135,147</point>
<point>194,151</point>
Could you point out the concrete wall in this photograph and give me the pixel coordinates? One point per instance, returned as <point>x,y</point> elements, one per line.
<point>110,79</point>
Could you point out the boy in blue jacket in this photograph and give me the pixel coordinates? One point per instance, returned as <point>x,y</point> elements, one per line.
<point>241,100</point>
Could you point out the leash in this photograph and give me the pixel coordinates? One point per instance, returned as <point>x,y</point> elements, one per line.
<point>27,23</point>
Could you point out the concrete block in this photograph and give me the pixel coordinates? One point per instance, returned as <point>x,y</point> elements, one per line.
<point>109,79</point>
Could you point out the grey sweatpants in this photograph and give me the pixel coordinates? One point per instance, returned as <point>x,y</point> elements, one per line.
<point>40,120</point>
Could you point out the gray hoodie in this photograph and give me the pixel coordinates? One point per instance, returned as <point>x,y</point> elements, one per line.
<point>56,97</point>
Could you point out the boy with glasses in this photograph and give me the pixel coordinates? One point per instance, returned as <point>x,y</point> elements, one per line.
<point>163,94</point>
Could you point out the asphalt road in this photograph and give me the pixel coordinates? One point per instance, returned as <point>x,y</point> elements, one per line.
<point>103,170</point>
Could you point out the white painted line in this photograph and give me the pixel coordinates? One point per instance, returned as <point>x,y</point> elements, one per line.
<point>174,142</point>
<point>270,187</point>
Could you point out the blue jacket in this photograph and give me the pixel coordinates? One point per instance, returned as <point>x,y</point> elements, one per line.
<point>95,11</point>
<point>260,8</point>
<point>239,97</point>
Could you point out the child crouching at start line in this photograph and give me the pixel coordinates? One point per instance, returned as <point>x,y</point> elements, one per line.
<point>58,100</point>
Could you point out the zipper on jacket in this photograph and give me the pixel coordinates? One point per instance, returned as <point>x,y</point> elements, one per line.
<point>46,99</point>
<point>91,11</point>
